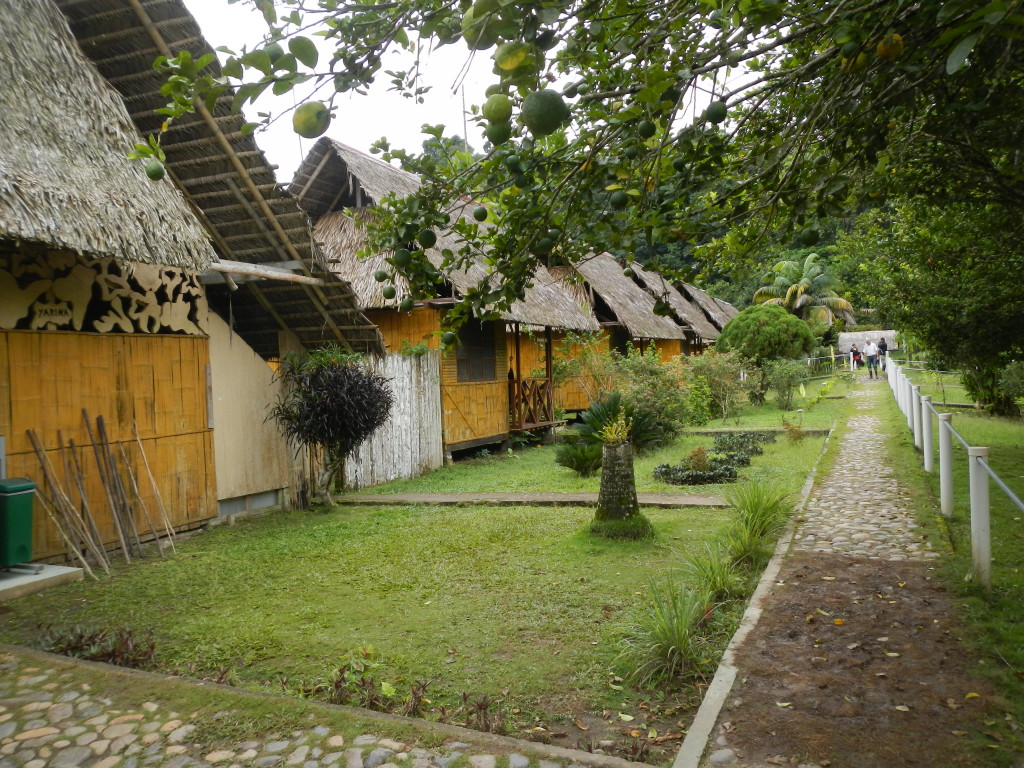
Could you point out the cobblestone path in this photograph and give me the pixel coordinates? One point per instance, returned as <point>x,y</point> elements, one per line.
<point>859,508</point>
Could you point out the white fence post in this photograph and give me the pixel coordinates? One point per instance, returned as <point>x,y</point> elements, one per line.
<point>981,545</point>
<point>915,404</point>
<point>946,463</point>
<point>908,401</point>
<point>926,434</point>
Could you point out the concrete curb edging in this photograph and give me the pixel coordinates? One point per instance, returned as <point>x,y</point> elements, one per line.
<point>700,731</point>
<point>504,744</point>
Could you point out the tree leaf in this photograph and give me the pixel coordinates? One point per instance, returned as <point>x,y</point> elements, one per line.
<point>302,48</point>
<point>960,52</point>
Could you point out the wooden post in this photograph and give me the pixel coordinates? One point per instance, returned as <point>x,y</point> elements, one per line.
<point>549,372</point>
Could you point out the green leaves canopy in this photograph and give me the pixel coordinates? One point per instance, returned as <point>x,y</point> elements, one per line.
<point>766,332</point>
<point>805,290</point>
<point>814,112</point>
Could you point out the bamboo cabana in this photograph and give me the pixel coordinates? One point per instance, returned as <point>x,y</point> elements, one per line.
<point>227,182</point>
<point>699,330</point>
<point>485,389</point>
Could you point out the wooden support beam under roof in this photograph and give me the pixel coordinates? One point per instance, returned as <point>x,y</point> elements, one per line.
<point>255,271</point>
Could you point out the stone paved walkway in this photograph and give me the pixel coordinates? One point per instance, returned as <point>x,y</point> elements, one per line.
<point>49,720</point>
<point>859,508</point>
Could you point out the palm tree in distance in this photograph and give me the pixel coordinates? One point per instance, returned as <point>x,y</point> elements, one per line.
<point>805,290</point>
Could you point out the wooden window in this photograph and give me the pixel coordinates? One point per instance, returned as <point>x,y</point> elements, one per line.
<point>474,354</point>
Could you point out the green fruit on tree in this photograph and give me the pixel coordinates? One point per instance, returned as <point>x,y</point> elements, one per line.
<point>380,275</point>
<point>402,258</point>
<point>512,56</point>
<point>388,292</point>
<point>497,108</point>
<point>627,272</point>
<point>631,153</point>
<point>809,236</point>
<point>554,233</point>
<point>311,119</point>
<point>448,338</point>
<point>646,129</point>
<point>479,25</point>
<point>480,213</point>
<point>618,199</point>
<point>498,133</point>
<point>543,111</point>
<point>544,245</point>
<point>514,163</point>
<point>716,112</point>
<point>406,305</point>
<point>155,170</point>
<point>274,51</point>
<point>679,165</point>
<point>427,238</point>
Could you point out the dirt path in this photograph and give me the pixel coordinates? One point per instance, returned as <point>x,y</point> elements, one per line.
<point>855,662</point>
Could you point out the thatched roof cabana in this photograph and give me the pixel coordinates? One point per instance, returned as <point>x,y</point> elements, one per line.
<point>616,299</point>
<point>224,177</point>
<point>711,307</point>
<point>689,314</point>
<point>339,186</point>
<point>728,309</point>
<point>64,134</point>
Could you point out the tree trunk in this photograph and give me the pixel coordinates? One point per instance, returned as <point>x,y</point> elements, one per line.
<point>617,498</point>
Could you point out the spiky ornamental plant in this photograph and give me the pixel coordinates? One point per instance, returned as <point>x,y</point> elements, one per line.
<point>330,404</point>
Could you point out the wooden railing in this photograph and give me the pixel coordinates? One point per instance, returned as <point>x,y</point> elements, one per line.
<point>530,403</point>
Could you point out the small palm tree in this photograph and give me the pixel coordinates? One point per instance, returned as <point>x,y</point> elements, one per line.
<point>805,290</point>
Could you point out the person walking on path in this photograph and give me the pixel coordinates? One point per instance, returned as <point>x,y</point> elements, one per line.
<point>871,355</point>
<point>855,354</point>
<point>883,351</point>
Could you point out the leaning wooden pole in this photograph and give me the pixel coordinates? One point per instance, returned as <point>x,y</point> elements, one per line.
<point>119,491</point>
<point>138,498</point>
<point>101,467</point>
<point>152,482</point>
<point>79,477</point>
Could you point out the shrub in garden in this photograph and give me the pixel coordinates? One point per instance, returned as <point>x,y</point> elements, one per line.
<point>119,647</point>
<point>762,508</point>
<point>742,444</point>
<point>580,456</point>
<point>712,568</point>
<point>784,377</point>
<point>697,469</point>
<point>645,431</point>
<point>330,404</point>
<point>667,641</point>
<point>719,374</point>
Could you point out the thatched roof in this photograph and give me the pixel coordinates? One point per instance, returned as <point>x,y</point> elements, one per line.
<point>617,299</point>
<point>64,134</point>
<point>714,312</point>
<point>727,308</point>
<point>691,316</point>
<point>223,175</point>
<point>340,185</point>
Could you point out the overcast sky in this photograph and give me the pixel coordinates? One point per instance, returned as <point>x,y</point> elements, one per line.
<point>360,120</point>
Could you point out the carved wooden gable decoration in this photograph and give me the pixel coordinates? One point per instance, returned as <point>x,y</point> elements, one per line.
<point>44,289</point>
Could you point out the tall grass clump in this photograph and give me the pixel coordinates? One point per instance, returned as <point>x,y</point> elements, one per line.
<point>667,640</point>
<point>712,567</point>
<point>762,508</point>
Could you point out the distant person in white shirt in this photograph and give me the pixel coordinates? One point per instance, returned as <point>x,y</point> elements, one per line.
<point>871,355</point>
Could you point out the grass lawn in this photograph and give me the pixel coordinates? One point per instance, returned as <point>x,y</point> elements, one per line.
<point>533,469</point>
<point>520,603</point>
<point>995,622</point>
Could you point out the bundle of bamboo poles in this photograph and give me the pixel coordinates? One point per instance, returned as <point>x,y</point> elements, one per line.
<point>72,512</point>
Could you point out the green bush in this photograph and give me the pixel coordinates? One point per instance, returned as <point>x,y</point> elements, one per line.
<point>716,377</point>
<point>743,442</point>
<point>712,568</point>
<point>580,456</point>
<point>762,508</point>
<point>645,431</point>
<point>783,378</point>
<point>679,475</point>
<point>666,642</point>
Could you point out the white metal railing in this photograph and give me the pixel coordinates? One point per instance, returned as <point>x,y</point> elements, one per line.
<point>918,410</point>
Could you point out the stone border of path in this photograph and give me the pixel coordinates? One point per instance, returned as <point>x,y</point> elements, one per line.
<point>699,733</point>
<point>572,758</point>
<point>659,500</point>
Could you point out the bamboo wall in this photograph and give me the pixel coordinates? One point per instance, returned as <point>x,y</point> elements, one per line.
<point>157,381</point>
<point>472,412</point>
<point>573,394</point>
<point>410,442</point>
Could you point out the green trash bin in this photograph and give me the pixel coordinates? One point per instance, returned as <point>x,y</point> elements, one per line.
<point>16,494</point>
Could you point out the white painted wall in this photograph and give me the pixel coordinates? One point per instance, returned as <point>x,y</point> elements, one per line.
<point>252,456</point>
<point>410,442</point>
